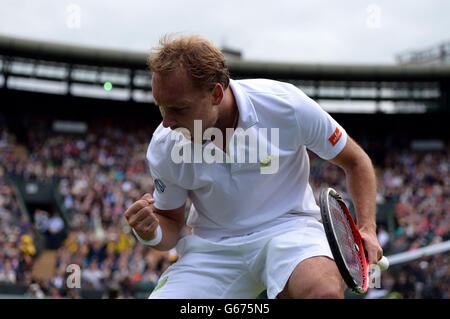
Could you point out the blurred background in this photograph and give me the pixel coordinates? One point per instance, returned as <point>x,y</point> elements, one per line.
<point>77,114</point>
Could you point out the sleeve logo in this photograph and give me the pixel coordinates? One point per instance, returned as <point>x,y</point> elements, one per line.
<point>335,137</point>
<point>160,187</point>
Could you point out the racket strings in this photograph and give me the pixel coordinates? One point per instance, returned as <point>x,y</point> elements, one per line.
<point>362,263</point>
<point>346,242</point>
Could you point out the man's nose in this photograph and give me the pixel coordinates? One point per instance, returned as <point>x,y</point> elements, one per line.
<point>167,122</point>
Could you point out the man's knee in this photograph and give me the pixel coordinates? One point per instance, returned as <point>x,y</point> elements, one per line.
<point>334,292</point>
<point>318,292</point>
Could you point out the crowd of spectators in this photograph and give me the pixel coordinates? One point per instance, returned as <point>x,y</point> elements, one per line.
<point>99,176</point>
<point>418,182</point>
<point>104,171</point>
<point>17,249</point>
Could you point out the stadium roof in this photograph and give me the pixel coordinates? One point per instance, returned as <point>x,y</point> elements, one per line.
<point>136,60</point>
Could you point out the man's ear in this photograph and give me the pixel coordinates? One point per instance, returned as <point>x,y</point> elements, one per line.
<point>217,94</point>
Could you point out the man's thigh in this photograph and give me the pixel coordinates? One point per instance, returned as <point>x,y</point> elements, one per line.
<point>315,277</point>
<point>298,258</point>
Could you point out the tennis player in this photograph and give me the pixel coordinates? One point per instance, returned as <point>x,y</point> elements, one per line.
<point>251,231</point>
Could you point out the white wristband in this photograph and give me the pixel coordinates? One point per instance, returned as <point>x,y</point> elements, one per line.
<point>153,242</point>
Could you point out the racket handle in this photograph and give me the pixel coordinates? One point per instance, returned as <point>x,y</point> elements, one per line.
<point>383,263</point>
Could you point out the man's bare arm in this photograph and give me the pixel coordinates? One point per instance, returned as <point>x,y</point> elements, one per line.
<point>361,184</point>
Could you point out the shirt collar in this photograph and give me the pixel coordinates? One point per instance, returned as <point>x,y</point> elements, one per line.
<point>247,113</point>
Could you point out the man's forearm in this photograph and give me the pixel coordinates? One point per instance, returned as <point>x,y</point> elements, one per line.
<point>361,184</point>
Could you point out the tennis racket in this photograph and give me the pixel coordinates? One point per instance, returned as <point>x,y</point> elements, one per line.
<point>345,242</point>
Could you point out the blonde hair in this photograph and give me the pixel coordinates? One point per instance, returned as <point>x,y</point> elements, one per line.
<point>202,61</point>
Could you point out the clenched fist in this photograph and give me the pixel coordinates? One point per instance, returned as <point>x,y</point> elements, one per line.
<point>141,217</point>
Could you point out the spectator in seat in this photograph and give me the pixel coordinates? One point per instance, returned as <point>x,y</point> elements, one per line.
<point>55,228</point>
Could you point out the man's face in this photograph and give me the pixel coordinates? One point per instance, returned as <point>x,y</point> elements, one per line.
<point>181,103</point>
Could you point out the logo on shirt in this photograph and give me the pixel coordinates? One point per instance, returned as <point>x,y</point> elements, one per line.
<point>266,162</point>
<point>160,187</point>
<point>335,137</point>
<point>161,283</point>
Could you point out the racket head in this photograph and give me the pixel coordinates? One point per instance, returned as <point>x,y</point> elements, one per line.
<point>345,241</point>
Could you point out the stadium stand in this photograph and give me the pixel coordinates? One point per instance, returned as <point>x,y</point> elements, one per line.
<point>17,236</point>
<point>96,182</point>
<point>101,173</point>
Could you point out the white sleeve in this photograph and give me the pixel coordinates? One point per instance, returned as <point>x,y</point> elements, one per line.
<point>167,195</point>
<point>318,131</point>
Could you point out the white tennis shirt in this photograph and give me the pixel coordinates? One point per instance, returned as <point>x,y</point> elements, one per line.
<point>235,199</point>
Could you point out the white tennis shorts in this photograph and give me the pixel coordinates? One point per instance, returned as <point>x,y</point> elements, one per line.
<point>242,267</point>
